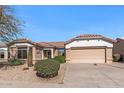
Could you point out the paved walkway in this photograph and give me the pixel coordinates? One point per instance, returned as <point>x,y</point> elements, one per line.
<point>117,65</point>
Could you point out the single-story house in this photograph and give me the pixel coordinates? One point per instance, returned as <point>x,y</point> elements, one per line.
<point>89,48</point>
<point>29,51</point>
<point>119,47</point>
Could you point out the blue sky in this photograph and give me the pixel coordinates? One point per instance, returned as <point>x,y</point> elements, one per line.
<point>60,23</point>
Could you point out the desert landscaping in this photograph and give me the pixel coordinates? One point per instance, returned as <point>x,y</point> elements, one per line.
<point>17,74</point>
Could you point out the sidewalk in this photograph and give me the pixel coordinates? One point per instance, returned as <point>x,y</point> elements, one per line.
<point>117,65</point>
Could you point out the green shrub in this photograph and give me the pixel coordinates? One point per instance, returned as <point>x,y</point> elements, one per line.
<point>117,57</point>
<point>60,59</point>
<point>47,68</point>
<point>15,62</point>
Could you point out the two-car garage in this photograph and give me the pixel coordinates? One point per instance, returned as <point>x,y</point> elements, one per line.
<point>89,49</point>
<point>87,55</point>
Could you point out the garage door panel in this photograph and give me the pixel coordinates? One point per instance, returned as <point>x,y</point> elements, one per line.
<point>88,56</point>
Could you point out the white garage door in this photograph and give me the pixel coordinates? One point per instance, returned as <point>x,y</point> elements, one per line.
<point>87,55</point>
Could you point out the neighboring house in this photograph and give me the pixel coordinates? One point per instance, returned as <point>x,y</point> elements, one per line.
<point>3,52</point>
<point>119,47</point>
<point>31,52</point>
<point>89,48</point>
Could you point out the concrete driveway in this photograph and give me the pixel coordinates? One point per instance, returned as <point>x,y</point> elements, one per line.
<point>89,75</point>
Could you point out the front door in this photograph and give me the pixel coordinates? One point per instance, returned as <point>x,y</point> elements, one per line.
<point>49,54</point>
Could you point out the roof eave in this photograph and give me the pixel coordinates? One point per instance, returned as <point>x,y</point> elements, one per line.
<point>104,38</point>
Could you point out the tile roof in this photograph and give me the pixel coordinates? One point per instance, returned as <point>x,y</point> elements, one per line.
<point>52,44</point>
<point>91,36</point>
<point>41,44</point>
<point>45,44</point>
<point>24,40</point>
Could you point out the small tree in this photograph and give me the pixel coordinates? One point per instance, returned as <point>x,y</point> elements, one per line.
<point>10,26</point>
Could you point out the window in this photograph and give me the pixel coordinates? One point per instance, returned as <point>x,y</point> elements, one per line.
<point>61,51</point>
<point>47,53</point>
<point>22,53</point>
<point>1,54</point>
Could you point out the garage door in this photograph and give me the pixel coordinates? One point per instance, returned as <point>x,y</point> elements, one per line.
<point>87,55</point>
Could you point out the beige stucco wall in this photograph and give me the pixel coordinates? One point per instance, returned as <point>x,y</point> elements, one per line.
<point>68,52</point>
<point>56,52</point>
<point>6,55</point>
<point>38,53</point>
<point>13,51</point>
<point>109,57</point>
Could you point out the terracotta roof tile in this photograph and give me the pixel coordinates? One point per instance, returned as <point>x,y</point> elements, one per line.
<point>45,44</point>
<point>41,44</point>
<point>24,40</point>
<point>57,44</point>
<point>52,44</point>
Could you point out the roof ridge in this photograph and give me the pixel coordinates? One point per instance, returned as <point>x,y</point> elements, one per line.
<point>89,35</point>
<point>47,43</point>
<point>50,44</point>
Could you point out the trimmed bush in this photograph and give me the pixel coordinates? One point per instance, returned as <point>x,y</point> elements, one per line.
<point>117,57</point>
<point>60,59</point>
<point>15,62</point>
<point>47,68</point>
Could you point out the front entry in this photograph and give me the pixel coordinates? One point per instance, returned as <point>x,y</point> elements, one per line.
<point>47,54</point>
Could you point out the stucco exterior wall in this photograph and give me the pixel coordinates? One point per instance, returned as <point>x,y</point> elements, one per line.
<point>56,52</point>
<point>84,43</point>
<point>13,51</point>
<point>109,55</point>
<point>38,54</point>
<point>68,57</point>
